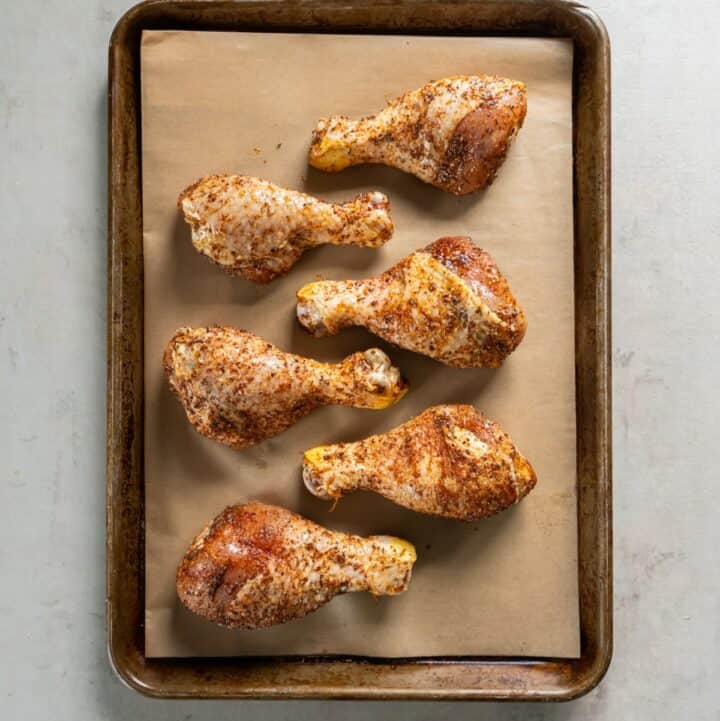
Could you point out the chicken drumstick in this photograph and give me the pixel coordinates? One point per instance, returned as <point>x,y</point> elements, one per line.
<point>448,301</point>
<point>448,461</point>
<point>257,565</point>
<point>239,389</point>
<point>453,133</point>
<point>257,230</point>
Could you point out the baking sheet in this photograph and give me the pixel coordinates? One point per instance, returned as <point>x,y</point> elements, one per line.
<point>247,103</point>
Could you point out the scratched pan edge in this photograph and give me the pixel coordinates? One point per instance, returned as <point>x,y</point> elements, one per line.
<point>451,677</point>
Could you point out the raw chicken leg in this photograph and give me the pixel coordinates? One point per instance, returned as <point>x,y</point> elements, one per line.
<point>257,230</point>
<point>257,565</point>
<point>448,301</point>
<point>453,133</point>
<point>239,389</point>
<point>448,461</point>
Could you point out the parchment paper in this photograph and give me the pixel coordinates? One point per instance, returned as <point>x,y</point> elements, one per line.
<point>247,103</point>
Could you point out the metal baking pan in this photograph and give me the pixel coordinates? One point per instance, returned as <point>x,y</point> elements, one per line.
<point>496,678</point>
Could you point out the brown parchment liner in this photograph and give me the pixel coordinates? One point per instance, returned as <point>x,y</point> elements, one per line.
<point>247,103</point>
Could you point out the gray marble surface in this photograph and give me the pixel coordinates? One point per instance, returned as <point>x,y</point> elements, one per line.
<point>666,319</point>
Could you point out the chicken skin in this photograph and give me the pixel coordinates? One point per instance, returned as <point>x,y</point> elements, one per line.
<point>257,230</point>
<point>257,565</point>
<point>239,389</point>
<point>453,133</point>
<point>448,301</point>
<point>449,461</point>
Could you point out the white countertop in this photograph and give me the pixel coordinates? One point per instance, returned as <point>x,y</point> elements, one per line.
<point>666,321</point>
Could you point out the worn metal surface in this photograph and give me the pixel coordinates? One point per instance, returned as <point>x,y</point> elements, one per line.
<point>458,678</point>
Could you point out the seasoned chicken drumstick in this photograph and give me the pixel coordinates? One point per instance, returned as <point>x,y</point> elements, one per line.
<point>448,301</point>
<point>257,565</point>
<point>257,230</point>
<point>453,133</point>
<point>238,389</point>
<point>448,461</point>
